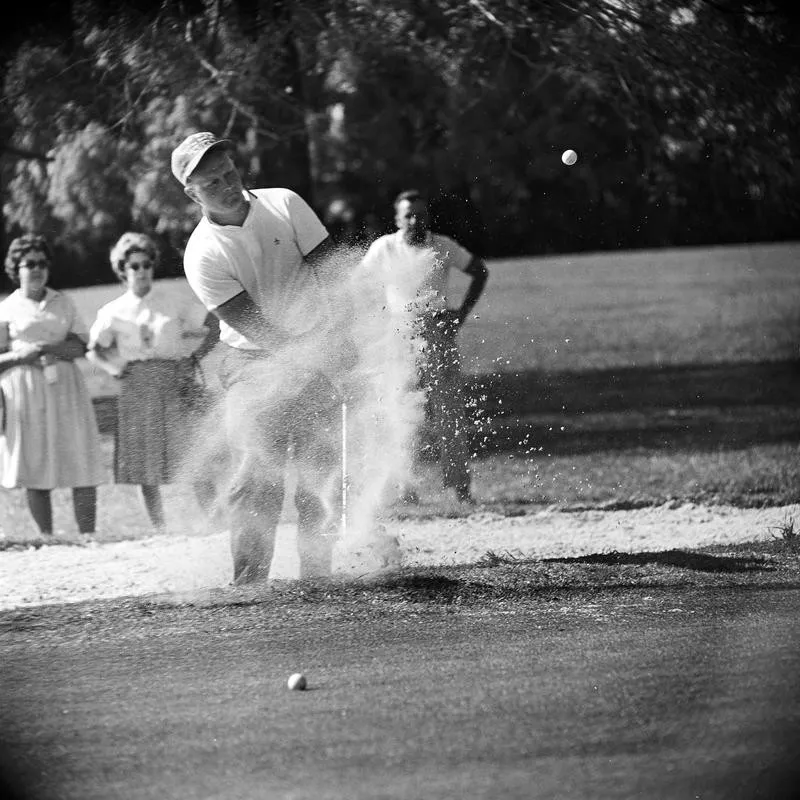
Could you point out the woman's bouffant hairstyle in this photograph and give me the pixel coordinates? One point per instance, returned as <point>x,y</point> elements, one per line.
<point>128,244</point>
<point>20,247</point>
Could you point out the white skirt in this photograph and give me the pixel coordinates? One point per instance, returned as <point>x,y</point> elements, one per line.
<point>50,439</point>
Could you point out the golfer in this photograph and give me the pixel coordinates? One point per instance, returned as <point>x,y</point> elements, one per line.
<point>439,363</point>
<point>257,260</point>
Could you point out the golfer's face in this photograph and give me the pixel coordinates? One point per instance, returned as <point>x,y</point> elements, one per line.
<point>412,219</point>
<point>216,184</point>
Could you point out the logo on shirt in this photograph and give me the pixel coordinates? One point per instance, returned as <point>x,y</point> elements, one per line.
<point>276,241</point>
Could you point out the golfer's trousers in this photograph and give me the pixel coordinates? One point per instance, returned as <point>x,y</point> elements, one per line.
<point>270,413</point>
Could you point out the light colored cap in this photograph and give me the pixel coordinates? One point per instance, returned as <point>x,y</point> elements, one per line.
<point>188,154</point>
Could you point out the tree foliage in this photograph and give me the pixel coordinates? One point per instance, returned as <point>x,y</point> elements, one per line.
<point>682,111</point>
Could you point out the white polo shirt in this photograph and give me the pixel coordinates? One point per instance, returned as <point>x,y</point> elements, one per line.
<point>263,257</point>
<point>413,271</point>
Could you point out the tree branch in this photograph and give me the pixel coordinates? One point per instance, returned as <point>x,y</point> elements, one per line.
<point>221,79</point>
<point>20,152</point>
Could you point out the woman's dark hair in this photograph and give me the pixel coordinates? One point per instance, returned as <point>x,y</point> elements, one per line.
<point>20,247</point>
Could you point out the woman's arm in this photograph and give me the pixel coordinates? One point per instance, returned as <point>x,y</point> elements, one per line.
<point>211,337</point>
<point>68,350</point>
<point>24,353</point>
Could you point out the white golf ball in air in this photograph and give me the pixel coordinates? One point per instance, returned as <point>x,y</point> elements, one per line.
<point>297,682</point>
<point>569,157</point>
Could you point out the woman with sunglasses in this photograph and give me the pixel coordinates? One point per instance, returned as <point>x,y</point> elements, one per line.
<point>50,438</point>
<point>149,340</point>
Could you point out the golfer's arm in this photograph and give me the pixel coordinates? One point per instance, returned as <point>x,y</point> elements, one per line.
<point>320,252</point>
<point>244,316</point>
<point>332,264</point>
<point>319,259</point>
<point>68,349</point>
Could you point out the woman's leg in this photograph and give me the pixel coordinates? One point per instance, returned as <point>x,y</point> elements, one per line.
<point>84,504</point>
<point>153,504</point>
<point>41,508</point>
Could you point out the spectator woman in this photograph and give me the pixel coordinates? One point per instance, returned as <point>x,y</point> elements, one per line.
<point>50,438</point>
<point>144,337</point>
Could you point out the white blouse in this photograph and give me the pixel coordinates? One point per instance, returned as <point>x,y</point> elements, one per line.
<point>45,321</point>
<point>158,325</point>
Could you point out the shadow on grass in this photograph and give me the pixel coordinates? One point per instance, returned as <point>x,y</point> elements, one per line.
<point>682,559</point>
<point>680,388</point>
<point>693,407</point>
<point>422,588</point>
<point>553,579</point>
<point>726,430</point>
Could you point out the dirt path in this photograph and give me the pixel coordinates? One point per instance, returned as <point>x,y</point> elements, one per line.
<point>63,574</point>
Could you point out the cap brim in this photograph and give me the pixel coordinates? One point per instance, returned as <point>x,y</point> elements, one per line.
<point>192,165</point>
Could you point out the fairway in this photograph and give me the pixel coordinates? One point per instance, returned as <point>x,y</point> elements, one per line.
<point>651,693</point>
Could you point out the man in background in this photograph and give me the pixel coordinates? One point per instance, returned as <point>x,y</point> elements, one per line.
<point>438,323</point>
<point>258,260</point>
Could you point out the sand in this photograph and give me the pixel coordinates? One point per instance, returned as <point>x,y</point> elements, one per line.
<point>74,571</point>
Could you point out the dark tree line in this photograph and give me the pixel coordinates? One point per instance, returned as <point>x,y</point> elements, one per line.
<point>684,115</point>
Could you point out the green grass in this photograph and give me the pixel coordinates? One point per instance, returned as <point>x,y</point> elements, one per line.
<point>638,309</point>
<point>518,680</point>
<point>605,380</point>
<point>607,311</point>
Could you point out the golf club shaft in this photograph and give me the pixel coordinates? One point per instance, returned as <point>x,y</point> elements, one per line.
<point>344,470</point>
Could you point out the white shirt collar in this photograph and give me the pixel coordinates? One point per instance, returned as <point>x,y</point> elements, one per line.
<point>48,295</point>
<point>134,298</point>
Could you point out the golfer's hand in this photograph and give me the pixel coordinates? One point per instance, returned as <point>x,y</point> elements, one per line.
<point>349,354</point>
<point>340,359</point>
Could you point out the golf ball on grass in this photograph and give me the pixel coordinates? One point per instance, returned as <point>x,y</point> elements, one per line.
<point>569,157</point>
<point>297,682</point>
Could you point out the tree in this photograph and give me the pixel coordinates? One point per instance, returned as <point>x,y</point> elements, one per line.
<point>682,111</point>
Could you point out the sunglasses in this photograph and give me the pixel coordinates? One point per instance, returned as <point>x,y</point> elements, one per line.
<point>37,264</point>
<point>137,265</point>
